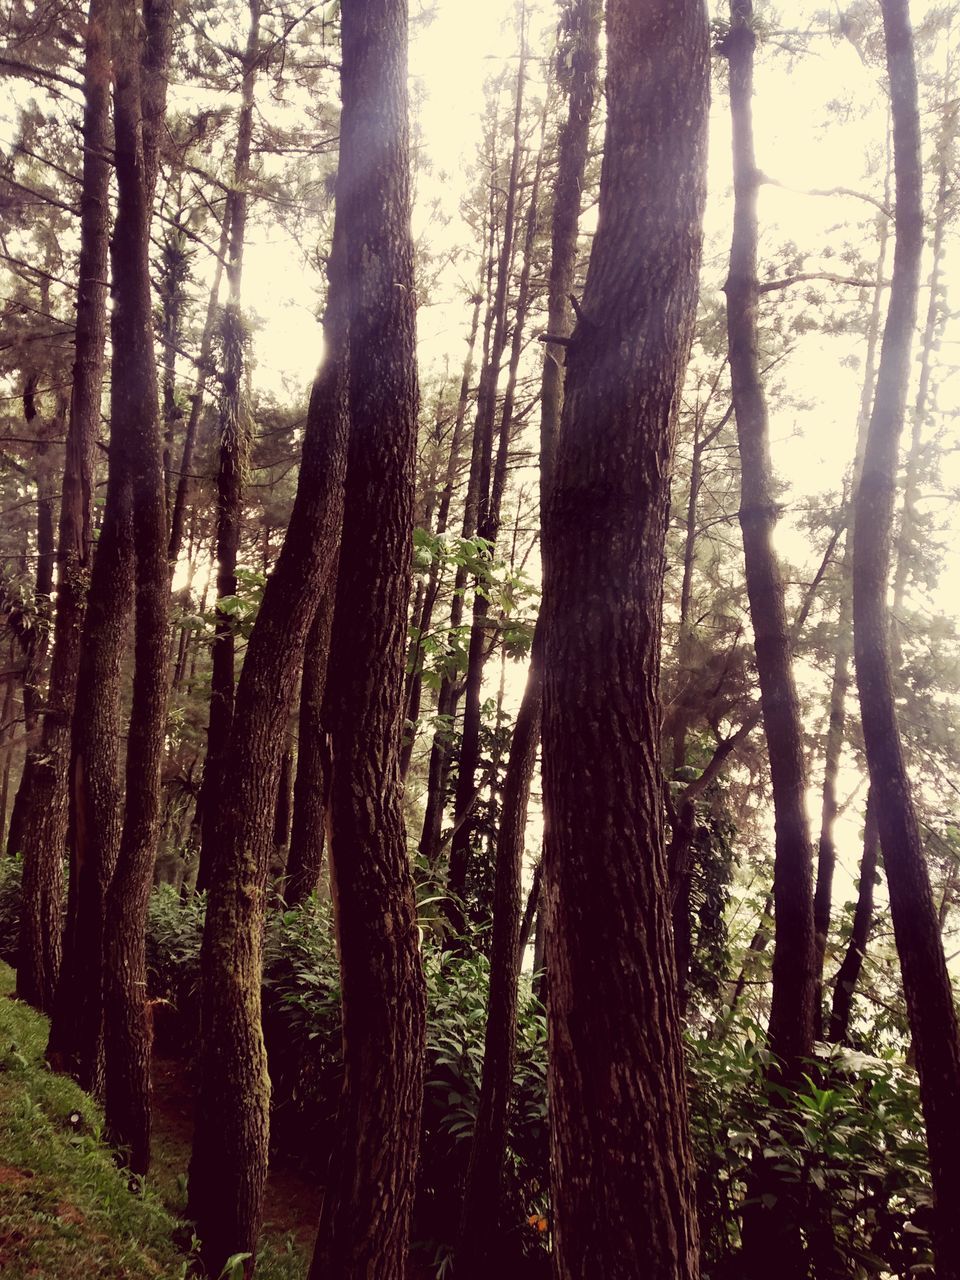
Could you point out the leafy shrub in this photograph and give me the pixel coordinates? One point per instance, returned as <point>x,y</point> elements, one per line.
<point>456,1019</point>
<point>174,935</point>
<point>850,1142</point>
<point>11,875</point>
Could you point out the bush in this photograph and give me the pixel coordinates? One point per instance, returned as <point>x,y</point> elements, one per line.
<point>174,935</point>
<point>850,1141</point>
<point>11,876</point>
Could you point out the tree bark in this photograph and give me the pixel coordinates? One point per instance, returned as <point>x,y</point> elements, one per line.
<point>364,1219</point>
<point>313,766</point>
<point>480,1223</point>
<point>488,525</point>
<point>179,512</point>
<point>791,1015</point>
<point>139,110</point>
<point>45,829</point>
<point>845,983</point>
<point>232,465</point>
<point>619,1134</point>
<point>229,1160</point>
<point>926,982</point>
<point>840,684</point>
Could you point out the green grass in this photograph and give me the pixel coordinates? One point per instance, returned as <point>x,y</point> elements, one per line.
<point>66,1211</point>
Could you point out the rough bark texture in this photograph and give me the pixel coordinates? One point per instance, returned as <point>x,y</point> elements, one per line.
<point>95,788</point>
<point>139,106</point>
<point>926,982</point>
<point>229,1160</point>
<point>232,462</point>
<point>364,1220</point>
<point>617,1093</point>
<point>307,834</point>
<point>791,1015</point>
<point>46,822</point>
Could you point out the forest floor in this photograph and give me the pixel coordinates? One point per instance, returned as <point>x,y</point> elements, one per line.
<point>66,1210</point>
<point>292,1202</point>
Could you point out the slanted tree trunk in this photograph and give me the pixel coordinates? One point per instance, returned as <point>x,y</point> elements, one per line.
<point>529,913</point>
<point>618,1116</point>
<point>926,982</point>
<point>424,618</point>
<point>45,826</point>
<point>365,1216</point>
<point>229,1160</point>
<point>448,695</point>
<point>769,1223</point>
<point>182,496</point>
<point>488,525</point>
<point>231,470</point>
<point>845,983</point>
<point>480,1223</point>
<point>840,683</point>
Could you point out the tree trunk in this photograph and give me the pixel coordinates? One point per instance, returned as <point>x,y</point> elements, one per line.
<point>45,828</point>
<point>770,1222</point>
<point>364,1219</point>
<point>36,640</point>
<point>414,686</point>
<point>840,684</point>
<point>619,1134</point>
<point>480,1223</point>
<point>139,112</point>
<point>127,540</point>
<point>313,766</point>
<point>488,524</point>
<point>449,693</point>
<point>791,1015</point>
<point>529,912</point>
<point>178,514</point>
<point>845,983</point>
<point>229,1160</point>
<point>936,317</point>
<point>926,982</point>
<point>234,448</point>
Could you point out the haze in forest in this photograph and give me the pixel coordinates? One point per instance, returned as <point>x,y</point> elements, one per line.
<point>479,673</point>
